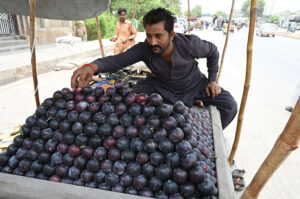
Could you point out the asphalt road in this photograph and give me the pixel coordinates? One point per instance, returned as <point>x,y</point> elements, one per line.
<point>275,73</point>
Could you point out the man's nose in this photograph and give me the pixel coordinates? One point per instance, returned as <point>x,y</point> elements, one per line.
<point>153,42</point>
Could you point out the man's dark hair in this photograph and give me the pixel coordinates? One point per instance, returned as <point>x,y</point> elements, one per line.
<point>157,15</point>
<point>120,10</point>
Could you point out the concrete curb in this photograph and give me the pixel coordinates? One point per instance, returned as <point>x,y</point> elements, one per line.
<point>13,74</point>
<point>282,34</point>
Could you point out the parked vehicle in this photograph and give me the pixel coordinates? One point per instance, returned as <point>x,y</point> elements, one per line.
<point>178,26</point>
<point>266,29</point>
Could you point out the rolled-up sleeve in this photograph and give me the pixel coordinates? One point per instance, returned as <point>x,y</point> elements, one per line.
<point>114,63</point>
<point>205,49</point>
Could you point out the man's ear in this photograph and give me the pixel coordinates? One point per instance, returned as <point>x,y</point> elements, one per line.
<point>172,34</point>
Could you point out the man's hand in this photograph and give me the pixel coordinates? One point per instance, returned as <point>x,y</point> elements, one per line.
<point>213,89</point>
<point>81,77</point>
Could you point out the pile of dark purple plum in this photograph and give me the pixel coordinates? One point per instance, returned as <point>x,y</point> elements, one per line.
<point>119,141</point>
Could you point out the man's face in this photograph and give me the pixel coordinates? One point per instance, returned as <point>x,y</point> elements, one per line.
<point>122,16</point>
<point>158,38</point>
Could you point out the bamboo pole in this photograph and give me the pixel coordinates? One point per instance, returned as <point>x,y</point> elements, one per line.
<point>189,16</point>
<point>287,142</point>
<point>226,41</point>
<point>136,5</point>
<point>99,37</point>
<point>247,81</point>
<point>32,50</point>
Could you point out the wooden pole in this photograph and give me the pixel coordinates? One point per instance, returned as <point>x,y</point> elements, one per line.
<point>99,37</point>
<point>189,16</point>
<point>136,5</point>
<point>226,41</point>
<point>247,81</point>
<point>32,50</point>
<point>287,142</point>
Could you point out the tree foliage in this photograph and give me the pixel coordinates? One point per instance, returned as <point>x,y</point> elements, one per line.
<point>196,11</point>
<point>110,17</point>
<point>260,8</point>
<point>220,13</point>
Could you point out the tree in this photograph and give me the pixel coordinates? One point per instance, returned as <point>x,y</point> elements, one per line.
<point>196,11</point>
<point>260,8</point>
<point>220,13</point>
<point>172,5</point>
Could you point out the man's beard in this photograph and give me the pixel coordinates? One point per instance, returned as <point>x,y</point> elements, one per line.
<point>162,50</point>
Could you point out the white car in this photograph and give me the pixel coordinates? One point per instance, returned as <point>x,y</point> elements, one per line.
<point>178,27</point>
<point>266,29</point>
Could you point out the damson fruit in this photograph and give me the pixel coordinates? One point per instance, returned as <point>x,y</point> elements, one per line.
<point>73,173</point>
<point>160,134</point>
<point>62,171</point>
<point>53,124</point>
<point>18,140</point>
<point>93,165</point>
<point>183,147</point>
<point>189,160</point>
<point>135,109</point>
<point>136,144</point>
<point>90,129</point>
<point>74,150</point>
<point>105,130</point>
<point>51,112</point>
<point>35,132</point>
<point>155,184</point>
<point>126,120</point>
<point>30,174</point>
<point>118,188</point>
<point>154,121</point>
<point>26,130</point>
<point>57,158</point>
<point>148,170</point>
<point>18,172</point>
<point>3,159</point>
<point>206,187</point>
<point>139,120</point>
<point>176,135</point>
<point>169,122</point>
<point>77,128</point>
<point>180,175</point>
<point>166,146</point>
<point>104,98</point>
<point>187,190</point>
<point>65,126</point>
<point>95,141</point>
<point>21,153</point>
<point>111,179</point>
<point>94,107</point>
<point>192,140</point>
<point>11,150</point>
<point>42,123</point>
<point>114,154</point>
<point>179,107</point>
<point>82,106</point>
<point>90,98</point>
<point>179,118</point>
<point>164,110</point>
<point>31,121</point>
<point>124,91</point>
<point>99,177</point>
<point>85,117</point>
<point>145,133</point>
<point>27,143</point>
<point>104,186</point>
<point>99,118</point>
<point>139,182</point>
<point>87,152</point>
<point>7,169</point>
<point>142,99</point>
<point>173,159</point>
<point>150,145</point>
<point>133,169</point>
<point>69,95</point>
<point>62,148</point>
<point>73,116</point>
<point>176,196</point>
<point>109,142</point>
<point>116,98</point>
<point>128,155</point>
<point>68,160</point>
<point>87,90</point>
<point>49,170</point>
<point>110,91</point>
<point>44,157</point>
<point>67,181</point>
<point>149,110</point>
<point>122,143</point>
<point>161,195</point>
<point>79,182</point>
<point>156,158</point>
<point>79,97</point>
<point>100,153</point>
<point>80,162</point>
<point>142,157</point>
<point>146,192</point>
<point>106,166</point>
<point>164,172</point>
<point>87,176</point>
<point>48,103</point>
<point>61,115</point>
<point>125,180</point>
<point>60,104</point>
<point>132,132</point>
<point>155,99</point>
<point>32,155</point>
<point>119,167</point>
<point>131,190</point>
<point>40,111</point>
<point>130,98</point>
<point>41,176</point>
<point>108,108</point>
<point>36,167</point>
<point>170,187</point>
<point>81,139</point>
<point>121,108</point>
<point>55,178</point>
<point>68,138</point>
<point>197,174</point>
<point>58,95</point>
<point>118,131</point>
<point>98,91</point>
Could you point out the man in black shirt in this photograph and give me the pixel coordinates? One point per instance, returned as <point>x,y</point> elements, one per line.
<point>172,60</point>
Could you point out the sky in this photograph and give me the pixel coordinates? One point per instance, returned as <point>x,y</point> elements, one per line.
<point>271,6</point>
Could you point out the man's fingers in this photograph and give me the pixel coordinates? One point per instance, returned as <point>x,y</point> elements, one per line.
<point>87,81</point>
<point>207,91</point>
<point>74,80</point>
<point>213,93</point>
<point>82,79</point>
